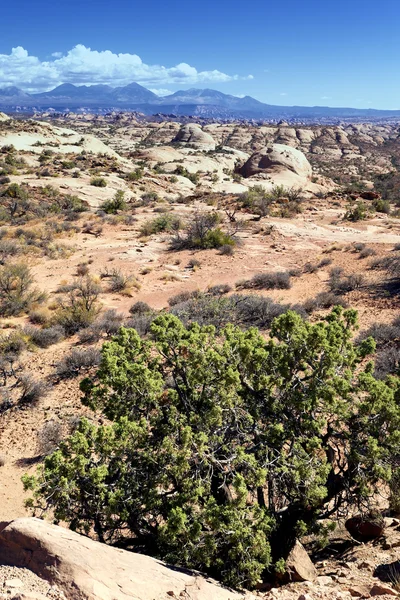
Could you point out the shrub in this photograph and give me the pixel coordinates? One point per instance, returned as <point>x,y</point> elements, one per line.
<point>80,306</point>
<point>218,290</point>
<point>16,293</point>
<point>140,308</point>
<point>122,283</point>
<point>382,206</point>
<point>324,300</point>
<point>77,362</point>
<point>280,280</point>
<point>359,212</point>
<point>367,252</point>
<point>49,437</point>
<point>14,202</point>
<point>82,269</point>
<point>32,390</point>
<point>342,284</point>
<point>166,222</point>
<point>39,316</point>
<point>111,207</point>
<point>8,248</point>
<point>43,338</point>
<point>107,323</point>
<point>202,233</point>
<point>182,297</point>
<point>387,362</point>
<point>194,264</point>
<point>134,175</point>
<point>98,182</point>
<point>227,250</point>
<point>201,425</point>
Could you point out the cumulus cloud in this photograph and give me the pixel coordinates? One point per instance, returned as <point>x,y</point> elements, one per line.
<point>161,91</point>
<point>82,65</point>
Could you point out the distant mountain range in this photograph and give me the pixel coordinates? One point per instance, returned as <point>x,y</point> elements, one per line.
<point>204,103</point>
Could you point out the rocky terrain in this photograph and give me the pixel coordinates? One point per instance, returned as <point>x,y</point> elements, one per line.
<point>112,200</point>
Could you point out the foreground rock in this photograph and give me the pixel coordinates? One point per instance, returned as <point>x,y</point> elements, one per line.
<point>364,529</point>
<point>299,566</point>
<point>87,570</point>
<point>193,135</point>
<point>275,159</point>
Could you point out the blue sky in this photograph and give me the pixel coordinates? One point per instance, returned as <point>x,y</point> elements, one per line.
<point>305,52</point>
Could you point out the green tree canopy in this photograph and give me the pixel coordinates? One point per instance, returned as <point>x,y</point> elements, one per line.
<point>221,448</point>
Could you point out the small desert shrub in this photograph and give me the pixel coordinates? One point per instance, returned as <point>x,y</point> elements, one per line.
<point>82,269</point>
<point>387,362</point>
<point>32,390</point>
<point>202,232</point>
<point>165,222</point>
<point>194,264</point>
<point>382,206</point>
<point>16,293</point>
<point>98,182</point>
<point>383,333</point>
<point>107,323</point>
<point>140,308</point>
<point>218,290</point>
<point>279,280</point>
<point>141,322</point>
<point>367,252</point>
<point>148,198</point>
<point>227,250</point>
<point>359,212</point>
<point>43,338</point>
<point>78,361</point>
<point>323,300</point>
<point>118,282</point>
<point>134,175</point>
<point>49,437</point>
<point>8,248</point>
<point>342,284</point>
<point>111,207</point>
<point>314,267</point>
<point>182,297</point>
<point>79,308</point>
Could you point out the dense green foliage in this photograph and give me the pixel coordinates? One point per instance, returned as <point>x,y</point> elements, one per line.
<point>221,448</point>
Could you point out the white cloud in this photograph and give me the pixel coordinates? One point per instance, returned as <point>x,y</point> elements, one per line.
<point>82,65</point>
<point>283,94</point>
<point>161,91</point>
<point>325,97</point>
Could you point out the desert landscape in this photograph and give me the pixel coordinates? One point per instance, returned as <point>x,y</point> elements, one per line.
<point>110,221</point>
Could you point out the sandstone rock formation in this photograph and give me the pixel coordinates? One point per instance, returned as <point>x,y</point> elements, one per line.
<point>275,159</point>
<point>87,570</point>
<point>194,135</point>
<point>365,528</point>
<point>299,566</point>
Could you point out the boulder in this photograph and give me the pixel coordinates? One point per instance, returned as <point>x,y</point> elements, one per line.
<point>378,589</point>
<point>192,134</point>
<point>299,566</point>
<point>275,159</point>
<point>370,195</point>
<point>365,528</point>
<point>87,570</point>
